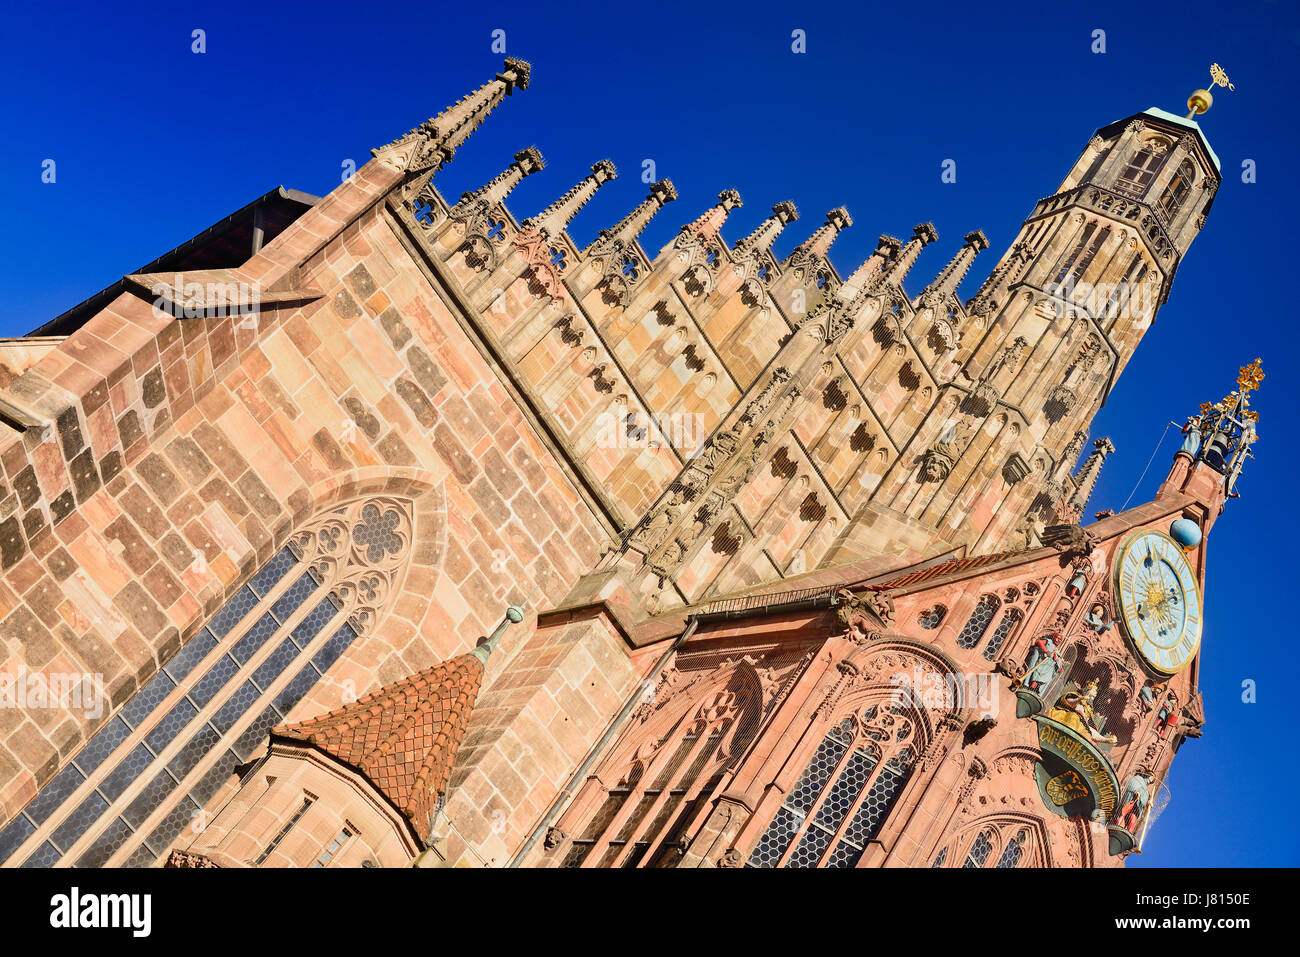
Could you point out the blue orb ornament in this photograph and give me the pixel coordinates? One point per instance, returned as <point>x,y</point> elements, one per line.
<point>1185,532</point>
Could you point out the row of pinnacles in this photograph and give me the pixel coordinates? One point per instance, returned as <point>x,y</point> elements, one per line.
<point>633,361</point>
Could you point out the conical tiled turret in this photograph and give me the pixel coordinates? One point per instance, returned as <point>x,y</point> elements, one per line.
<point>403,737</point>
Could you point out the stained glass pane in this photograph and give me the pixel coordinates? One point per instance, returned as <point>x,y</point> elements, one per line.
<point>233,612</point>
<point>775,839</point>
<point>78,821</point>
<point>979,850</point>
<point>147,800</point>
<point>54,793</point>
<point>147,698</point>
<point>978,623</point>
<point>103,744</point>
<point>272,572</point>
<point>127,770</point>
<point>235,706</point>
<point>102,849</point>
<point>191,653</point>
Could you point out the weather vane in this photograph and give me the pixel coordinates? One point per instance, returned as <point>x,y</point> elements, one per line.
<point>1202,100</point>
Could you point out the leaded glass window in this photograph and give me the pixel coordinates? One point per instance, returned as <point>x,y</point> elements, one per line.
<point>845,793</point>
<point>979,622</point>
<point>990,844</point>
<point>979,850</point>
<point>145,775</point>
<point>1005,627</point>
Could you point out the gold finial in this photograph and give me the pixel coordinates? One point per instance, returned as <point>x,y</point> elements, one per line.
<point>1249,377</point>
<point>1201,100</point>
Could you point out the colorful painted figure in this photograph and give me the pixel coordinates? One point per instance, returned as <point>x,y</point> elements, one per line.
<point>1043,664</point>
<point>1077,584</point>
<point>1167,716</point>
<point>1096,618</point>
<point>1192,444</point>
<point>1075,711</point>
<point>1137,795</point>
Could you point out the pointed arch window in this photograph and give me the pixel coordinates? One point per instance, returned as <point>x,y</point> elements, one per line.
<point>1176,192</point>
<point>1010,619</point>
<point>147,773</point>
<point>978,623</point>
<point>1142,169</point>
<point>845,793</point>
<point>641,820</point>
<point>998,844</point>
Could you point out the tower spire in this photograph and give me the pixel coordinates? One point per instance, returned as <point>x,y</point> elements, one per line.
<point>868,275</point>
<point>922,235</point>
<point>1086,479</point>
<point>950,277</point>
<point>707,224</point>
<point>553,220</point>
<point>819,243</point>
<point>761,239</point>
<point>629,227</point>
<point>526,162</point>
<point>431,145</point>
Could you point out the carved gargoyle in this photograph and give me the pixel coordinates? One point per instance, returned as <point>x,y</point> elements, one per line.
<point>1073,541</point>
<point>878,603</point>
<point>554,838</point>
<point>733,858</point>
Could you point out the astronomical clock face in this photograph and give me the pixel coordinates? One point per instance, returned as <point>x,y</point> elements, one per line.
<point>1158,601</point>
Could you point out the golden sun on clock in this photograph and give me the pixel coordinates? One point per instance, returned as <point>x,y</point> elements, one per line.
<point>1158,601</point>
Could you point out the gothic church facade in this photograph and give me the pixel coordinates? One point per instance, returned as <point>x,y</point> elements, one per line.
<point>468,546</point>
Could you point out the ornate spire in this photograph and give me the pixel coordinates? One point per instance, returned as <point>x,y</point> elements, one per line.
<point>922,236</point>
<point>867,276</point>
<point>431,145</point>
<point>1228,428</point>
<point>553,220</point>
<point>629,227</point>
<point>1003,275</point>
<point>761,239</point>
<point>1086,478</point>
<point>526,162</point>
<point>707,224</point>
<point>945,284</point>
<point>818,244</point>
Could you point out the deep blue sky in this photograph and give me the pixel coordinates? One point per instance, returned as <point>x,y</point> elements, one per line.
<point>154,143</point>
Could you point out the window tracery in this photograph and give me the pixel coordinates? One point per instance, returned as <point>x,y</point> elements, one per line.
<point>846,791</point>
<point>147,772</point>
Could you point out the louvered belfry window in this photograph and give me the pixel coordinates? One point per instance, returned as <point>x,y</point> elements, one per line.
<point>147,773</point>
<point>845,793</point>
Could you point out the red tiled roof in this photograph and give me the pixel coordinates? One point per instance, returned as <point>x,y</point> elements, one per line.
<point>943,568</point>
<point>403,737</point>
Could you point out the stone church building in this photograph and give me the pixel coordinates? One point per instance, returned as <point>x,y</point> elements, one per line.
<point>388,529</point>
